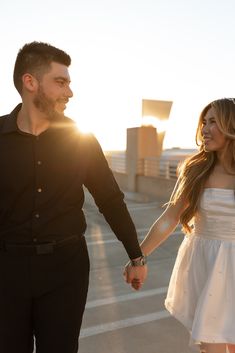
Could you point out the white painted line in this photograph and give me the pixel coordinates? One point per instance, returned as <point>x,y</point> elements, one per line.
<point>125,297</point>
<point>116,325</point>
<point>106,234</point>
<point>101,235</point>
<point>99,242</point>
<point>130,208</point>
<point>113,241</point>
<point>143,207</point>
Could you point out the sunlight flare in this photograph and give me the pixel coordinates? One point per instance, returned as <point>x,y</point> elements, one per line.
<point>159,124</point>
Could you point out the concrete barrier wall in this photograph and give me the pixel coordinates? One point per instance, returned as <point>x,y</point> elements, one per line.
<point>122,180</point>
<point>155,186</point>
<point>152,186</point>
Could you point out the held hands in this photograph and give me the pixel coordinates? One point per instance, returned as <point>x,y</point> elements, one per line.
<point>135,272</point>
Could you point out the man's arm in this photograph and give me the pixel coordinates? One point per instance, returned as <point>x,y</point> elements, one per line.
<point>108,197</point>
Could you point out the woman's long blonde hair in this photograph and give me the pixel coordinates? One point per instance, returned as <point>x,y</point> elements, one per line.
<point>195,170</point>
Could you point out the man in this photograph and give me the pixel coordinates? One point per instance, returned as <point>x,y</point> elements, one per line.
<point>45,162</point>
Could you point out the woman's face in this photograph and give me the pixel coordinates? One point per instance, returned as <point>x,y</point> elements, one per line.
<point>213,138</point>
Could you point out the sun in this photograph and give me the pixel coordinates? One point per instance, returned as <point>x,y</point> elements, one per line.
<point>160,124</point>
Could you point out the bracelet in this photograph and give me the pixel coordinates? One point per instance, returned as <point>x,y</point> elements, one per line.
<point>141,261</point>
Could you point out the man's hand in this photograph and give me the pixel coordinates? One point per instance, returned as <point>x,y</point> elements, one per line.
<point>135,275</point>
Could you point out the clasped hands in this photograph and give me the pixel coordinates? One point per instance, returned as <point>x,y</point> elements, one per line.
<point>135,275</point>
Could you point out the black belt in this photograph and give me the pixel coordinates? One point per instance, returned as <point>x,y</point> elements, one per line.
<point>40,248</point>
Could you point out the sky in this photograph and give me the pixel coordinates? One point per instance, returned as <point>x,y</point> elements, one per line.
<point>124,51</point>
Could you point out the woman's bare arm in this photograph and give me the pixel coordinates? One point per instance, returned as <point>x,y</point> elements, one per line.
<point>163,226</point>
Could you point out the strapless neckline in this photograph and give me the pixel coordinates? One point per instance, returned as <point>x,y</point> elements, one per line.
<point>215,218</point>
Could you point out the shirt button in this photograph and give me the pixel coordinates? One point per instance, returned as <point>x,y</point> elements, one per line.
<point>37,215</point>
<point>39,162</point>
<point>39,189</point>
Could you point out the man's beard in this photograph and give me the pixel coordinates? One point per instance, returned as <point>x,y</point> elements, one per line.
<point>47,106</point>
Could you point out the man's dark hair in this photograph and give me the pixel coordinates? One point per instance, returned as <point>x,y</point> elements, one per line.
<point>35,58</point>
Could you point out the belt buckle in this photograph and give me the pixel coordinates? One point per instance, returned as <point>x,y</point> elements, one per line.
<point>46,248</point>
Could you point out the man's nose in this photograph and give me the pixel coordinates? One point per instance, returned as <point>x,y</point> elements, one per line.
<point>69,92</point>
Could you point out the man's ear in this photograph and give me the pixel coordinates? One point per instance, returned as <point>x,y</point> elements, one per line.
<point>29,82</point>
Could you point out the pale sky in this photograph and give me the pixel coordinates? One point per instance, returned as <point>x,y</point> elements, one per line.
<point>124,51</point>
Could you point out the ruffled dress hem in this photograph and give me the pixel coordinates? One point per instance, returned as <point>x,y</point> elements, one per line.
<point>196,340</point>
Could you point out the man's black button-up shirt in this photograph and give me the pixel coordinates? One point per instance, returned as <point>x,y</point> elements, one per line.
<point>41,185</point>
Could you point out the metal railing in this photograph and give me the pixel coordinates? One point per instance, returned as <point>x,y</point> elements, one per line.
<point>117,163</point>
<point>157,167</point>
<point>152,166</point>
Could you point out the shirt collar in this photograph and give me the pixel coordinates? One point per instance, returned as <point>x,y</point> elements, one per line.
<point>10,123</point>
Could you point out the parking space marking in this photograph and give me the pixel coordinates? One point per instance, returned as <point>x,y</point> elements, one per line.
<point>125,297</point>
<point>112,241</point>
<point>135,207</point>
<point>116,325</point>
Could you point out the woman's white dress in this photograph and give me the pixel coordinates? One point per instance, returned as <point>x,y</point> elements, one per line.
<point>201,292</point>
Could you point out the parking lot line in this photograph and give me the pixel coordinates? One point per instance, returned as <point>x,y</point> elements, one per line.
<point>116,325</point>
<point>125,297</point>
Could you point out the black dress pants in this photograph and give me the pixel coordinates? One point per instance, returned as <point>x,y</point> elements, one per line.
<point>42,298</point>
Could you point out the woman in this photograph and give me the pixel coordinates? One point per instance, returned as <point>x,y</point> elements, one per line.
<point>201,292</point>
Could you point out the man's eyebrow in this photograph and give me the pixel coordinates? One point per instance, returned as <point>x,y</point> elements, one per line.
<point>62,78</point>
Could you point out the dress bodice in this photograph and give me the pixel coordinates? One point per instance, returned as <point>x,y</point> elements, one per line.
<point>216,215</point>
